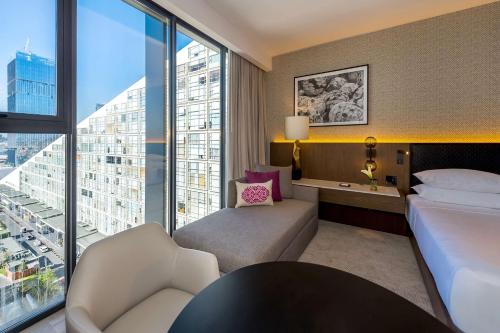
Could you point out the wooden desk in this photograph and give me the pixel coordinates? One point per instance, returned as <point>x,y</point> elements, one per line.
<point>390,191</point>
<point>357,205</point>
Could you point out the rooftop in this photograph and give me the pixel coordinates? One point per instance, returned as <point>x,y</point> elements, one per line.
<point>56,222</point>
<point>30,263</point>
<point>46,214</point>
<point>24,201</point>
<point>89,239</point>
<point>10,192</point>
<point>37,207</point>
<point>11,245</point>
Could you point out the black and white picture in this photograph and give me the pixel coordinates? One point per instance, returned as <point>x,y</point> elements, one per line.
<point>333,98</point>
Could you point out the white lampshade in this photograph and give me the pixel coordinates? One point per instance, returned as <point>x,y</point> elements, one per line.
<point>297,128</point>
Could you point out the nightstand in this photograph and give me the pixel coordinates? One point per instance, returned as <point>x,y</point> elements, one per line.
<point>357,205</point>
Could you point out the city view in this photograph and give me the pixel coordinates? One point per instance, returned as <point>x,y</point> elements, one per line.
<point>111,169</point>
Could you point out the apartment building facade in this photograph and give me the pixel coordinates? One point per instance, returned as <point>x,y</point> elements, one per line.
<point>111,153</point>
<point>198,126</point>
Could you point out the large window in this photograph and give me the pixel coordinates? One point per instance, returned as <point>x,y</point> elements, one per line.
<point>28,57</point>
<point>135,139</point>
<point>122,119</point>
<point>32,162</point>
<point>201,143</point>
<point>32,226</point>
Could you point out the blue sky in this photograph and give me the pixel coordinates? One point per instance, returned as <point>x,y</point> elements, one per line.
<point>15,30</point>
<point>110,44</point>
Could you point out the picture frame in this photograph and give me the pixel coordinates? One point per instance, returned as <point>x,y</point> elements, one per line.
<point>333,98</point>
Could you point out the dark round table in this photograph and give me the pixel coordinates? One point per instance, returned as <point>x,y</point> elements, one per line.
<point>300,297</point>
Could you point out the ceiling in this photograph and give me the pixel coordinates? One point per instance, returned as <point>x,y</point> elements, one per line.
<point>283,26</point>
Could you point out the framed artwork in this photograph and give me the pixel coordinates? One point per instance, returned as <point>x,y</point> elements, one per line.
<point>333,98</point>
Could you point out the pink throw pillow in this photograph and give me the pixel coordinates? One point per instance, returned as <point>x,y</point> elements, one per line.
<point>262,177</point>
<point>253,194</point>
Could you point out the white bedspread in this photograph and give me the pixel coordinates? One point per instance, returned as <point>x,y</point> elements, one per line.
<point>461,246</point>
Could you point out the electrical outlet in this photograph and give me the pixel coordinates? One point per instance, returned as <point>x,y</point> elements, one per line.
<point>391,180</point>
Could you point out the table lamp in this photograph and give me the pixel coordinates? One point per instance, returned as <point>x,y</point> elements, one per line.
<point>296,128</point>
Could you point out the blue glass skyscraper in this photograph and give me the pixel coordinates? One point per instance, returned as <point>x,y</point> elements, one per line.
<point>31,84</point>
<point>31,88</point>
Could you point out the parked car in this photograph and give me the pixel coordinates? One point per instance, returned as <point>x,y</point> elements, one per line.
<point>30,237</point>
<point>37,242</point>
<point>23,229</point>
<point>44,249</point>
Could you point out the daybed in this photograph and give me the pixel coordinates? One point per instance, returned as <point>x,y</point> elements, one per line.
<point>248,235</point>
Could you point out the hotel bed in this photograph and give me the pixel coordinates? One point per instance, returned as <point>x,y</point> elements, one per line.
<point>460,244</point>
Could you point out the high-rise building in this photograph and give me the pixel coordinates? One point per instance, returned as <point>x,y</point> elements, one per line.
<point>31,89</point>
<point>31,83</point>
<point>111,155</point>
<point>198,133</point>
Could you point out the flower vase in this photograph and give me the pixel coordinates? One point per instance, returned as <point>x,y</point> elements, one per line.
<point>373,185</point>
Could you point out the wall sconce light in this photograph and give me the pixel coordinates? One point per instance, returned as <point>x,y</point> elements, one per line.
<point>371,152</point>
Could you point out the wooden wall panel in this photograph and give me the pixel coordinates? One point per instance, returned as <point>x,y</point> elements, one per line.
<point>343,161</point>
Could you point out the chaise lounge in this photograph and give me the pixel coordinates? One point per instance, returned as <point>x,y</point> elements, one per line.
<point>248,235</point>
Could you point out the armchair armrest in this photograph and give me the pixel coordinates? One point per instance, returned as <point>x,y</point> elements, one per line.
<point>78,321</point>
<point>306,193</point>
<point>194,270</point>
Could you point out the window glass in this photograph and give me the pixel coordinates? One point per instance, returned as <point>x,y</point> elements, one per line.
<point>28,57</point>
<point>32,224</point>
<point>121,126</point>
<point>198,128</point>
<point>214,115</point>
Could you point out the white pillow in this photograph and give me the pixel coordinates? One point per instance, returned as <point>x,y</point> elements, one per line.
<point>477,199</point>
<point>254,194</point>
<point>461,179</point>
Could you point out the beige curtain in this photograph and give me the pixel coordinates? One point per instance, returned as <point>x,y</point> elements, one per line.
<point>247,117</point>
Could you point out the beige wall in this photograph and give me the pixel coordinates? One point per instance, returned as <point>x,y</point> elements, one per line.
<point>433,80</point>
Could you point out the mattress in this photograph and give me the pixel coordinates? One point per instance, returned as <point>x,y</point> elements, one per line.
<point>461,246</point>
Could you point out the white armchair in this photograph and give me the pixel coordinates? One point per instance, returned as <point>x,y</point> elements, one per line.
<point>135,281</point>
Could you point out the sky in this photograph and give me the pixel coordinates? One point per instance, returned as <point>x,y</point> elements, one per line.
<point>110,45</point>
<point>14,32</point>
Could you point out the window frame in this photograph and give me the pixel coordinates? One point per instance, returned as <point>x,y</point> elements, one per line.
<point>64,122</point>
<point>223,51</point>
<point>61,123</point>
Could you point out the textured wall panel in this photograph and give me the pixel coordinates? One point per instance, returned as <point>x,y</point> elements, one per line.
<point>436,80</point>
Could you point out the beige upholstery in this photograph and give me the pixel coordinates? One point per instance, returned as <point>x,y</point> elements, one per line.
<point>248,235</point>
<point>138,279</point>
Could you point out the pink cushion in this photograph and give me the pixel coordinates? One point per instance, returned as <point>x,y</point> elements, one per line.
<point>261,177</point>
<point>254,194</point>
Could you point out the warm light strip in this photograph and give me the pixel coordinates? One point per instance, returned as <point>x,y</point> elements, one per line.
<point>400,140</point>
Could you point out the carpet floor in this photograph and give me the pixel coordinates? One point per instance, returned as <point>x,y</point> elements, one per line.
<point>385,259</point>
<point>382,258</point>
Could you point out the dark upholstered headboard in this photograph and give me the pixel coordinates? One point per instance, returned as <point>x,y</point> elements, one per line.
<point>476,156</point>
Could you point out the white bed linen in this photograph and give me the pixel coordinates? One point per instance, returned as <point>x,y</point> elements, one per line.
<point>461,246</point>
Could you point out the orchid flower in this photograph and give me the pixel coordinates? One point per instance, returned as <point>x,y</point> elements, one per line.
<point>368,172</point>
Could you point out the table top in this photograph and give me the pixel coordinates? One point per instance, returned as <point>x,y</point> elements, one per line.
<point>300,297</point>
<point>390,191</point>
